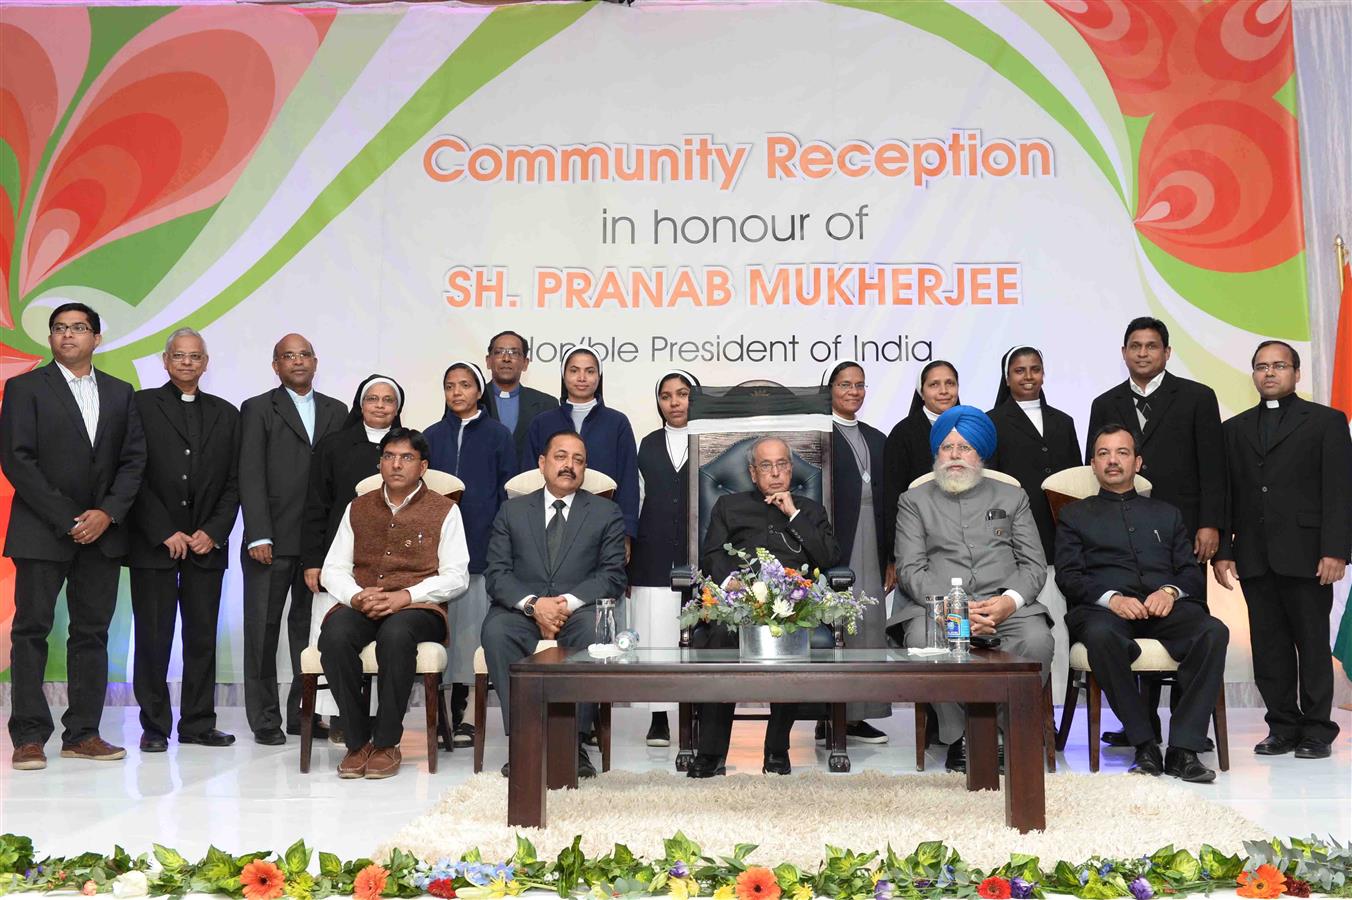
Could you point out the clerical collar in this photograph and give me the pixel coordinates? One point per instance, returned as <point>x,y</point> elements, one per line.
<point>1106,494</point>
<point>848,423</point>
<point>507,395</point>
<point>1280,402</point>
<point>932,416</point>
<point>1150,386</point>
<point>307,397</point>
<point>188,398</point>
<point>1029,404</point>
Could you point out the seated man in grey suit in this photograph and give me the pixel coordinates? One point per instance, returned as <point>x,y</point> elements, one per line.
<point>551,556</point>
<point>962,524</point>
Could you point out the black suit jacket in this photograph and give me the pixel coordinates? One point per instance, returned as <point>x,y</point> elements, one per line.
<point>57,473</point>
<point>532,403</point>
<point>847,490</point>
<point>906,456</point>
<point>274,465</point>
<point>182,490</point>
<point>1030,457</point>
<point>1127,543</point>
<point>591,558</point>
<point>1291,503</point>
<point>746,522</point>
<point>1182,449</point>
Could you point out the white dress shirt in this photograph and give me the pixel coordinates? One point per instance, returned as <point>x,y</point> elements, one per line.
<point>574,603</point>
<point>86,391</point>
<point>452,560</point>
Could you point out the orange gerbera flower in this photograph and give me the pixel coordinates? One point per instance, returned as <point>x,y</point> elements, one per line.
<point>262,880</point>
<point>757,883</point>
<point>708,598</point>
<point>369,882</point>
<point>1268,882</point>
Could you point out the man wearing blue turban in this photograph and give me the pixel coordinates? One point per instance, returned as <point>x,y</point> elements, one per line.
<point>965,522</point>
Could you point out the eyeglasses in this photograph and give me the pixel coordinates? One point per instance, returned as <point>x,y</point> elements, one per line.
<point>1264,368</point>
<point>180,356</point>
<point>295,355</point>
<point>768,467</point>
<point>405,458</point>
<point>959,449</point>
<point>505,352</point>
<point>61,328</point>
<point>850,385</point>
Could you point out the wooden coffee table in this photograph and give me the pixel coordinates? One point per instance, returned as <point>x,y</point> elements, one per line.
<point>547,686</point>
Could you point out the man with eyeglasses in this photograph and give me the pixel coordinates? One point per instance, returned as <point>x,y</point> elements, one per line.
<point>962,524</point>
<point>180,525</point>
<point>398,557</point>
<point>507,399</point>
<point>278,431</point>
<point>798,532</point>
<point>72,447</point>
<point>1287,540</point>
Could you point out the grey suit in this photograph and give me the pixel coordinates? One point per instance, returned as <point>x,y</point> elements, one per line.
<point>988,537</point>
<point>590,565</point>
<point>274,470</point>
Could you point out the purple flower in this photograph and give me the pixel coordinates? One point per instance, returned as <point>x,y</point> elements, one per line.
<point>1020,889</point>
<point>680,870</point>
<point>797,593</point>
<point>1084,877</point>
<point>1141,889</point>
<point>1105,869</point>
<point>922,883</point>
<point>883,890</point>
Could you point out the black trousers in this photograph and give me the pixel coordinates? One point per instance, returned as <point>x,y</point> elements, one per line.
<point>91,597</point>
<point>715,719</point>
<point>158,598</point>
<point>397,636</point>
<point>1292,660</point>
<point>509,635</point>
<point>265,592</point>
<point>1189,633</point>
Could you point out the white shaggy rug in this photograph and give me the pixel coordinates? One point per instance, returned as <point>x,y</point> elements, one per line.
<point>793,818</point>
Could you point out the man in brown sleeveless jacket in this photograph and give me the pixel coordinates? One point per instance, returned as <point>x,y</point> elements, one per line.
<point>399,556</point>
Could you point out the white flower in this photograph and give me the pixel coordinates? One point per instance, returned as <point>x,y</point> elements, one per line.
<point>131,884</point>
<point>760,591</point>
<point>784,608</point>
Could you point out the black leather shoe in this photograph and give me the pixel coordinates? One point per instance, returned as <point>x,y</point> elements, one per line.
<point>585,769</point>
<point>659,732</point>
<point>1148,760</point>
<point>1275,745</point>
<point>1115,739</point>
<point>270,737</point>
<point>956,761</point>
<point>506,770</point>
<point>1313,748</point>
<point>775,764</point>
<point>208,738</point>
<point>1185,765</point>
<point>319,731</point>
<point>154,743</point>
<point>706,766</point>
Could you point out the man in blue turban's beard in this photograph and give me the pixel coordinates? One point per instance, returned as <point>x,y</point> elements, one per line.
<point>964,524</point>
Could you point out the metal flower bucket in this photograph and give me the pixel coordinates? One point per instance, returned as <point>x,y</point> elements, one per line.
<point>756,642</point>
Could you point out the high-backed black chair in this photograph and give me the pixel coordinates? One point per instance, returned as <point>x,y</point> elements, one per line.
<point>718,467</point>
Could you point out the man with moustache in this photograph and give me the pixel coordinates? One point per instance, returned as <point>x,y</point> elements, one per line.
<point>551,555</point>
<point>1176,424</point>
<point>1126,566</point>
<point>278,431</point>
<point>1287,540</point>
<point>507,399</point>
<point>180,526</point>
<point>72,447</point>
<point>962,524</point>
<point>798,532</point>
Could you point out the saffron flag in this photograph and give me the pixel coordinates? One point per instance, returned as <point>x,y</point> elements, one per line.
<point>1341,398</point>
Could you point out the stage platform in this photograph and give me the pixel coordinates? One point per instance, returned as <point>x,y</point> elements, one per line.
<point>248,797</point>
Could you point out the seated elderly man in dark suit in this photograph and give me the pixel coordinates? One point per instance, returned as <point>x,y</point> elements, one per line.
<point>551,556</point>
<point>797,531</point>
<point>1126,565</point>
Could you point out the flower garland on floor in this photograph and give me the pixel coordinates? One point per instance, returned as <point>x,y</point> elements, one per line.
<point>1298,869</point>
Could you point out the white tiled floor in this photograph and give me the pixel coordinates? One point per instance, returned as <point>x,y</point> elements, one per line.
<point>248,797</point>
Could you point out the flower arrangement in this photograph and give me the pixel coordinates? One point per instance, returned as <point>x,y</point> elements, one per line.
<point>762,591</point>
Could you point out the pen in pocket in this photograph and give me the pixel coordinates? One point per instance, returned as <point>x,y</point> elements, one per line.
<point>1158,539</point>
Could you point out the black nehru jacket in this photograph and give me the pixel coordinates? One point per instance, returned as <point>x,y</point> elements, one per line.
<point>1031,457</point>
<point>1182,448</point>
<point>746,522</point>
<point>1127,543</point>
<point>662,540</point>
<point>906,456</point>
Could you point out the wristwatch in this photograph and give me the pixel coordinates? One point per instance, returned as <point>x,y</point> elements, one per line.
<point>1171,591</point>
<point>529,608</point>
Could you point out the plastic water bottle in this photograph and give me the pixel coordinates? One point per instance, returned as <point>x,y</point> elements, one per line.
<point>958,623</point>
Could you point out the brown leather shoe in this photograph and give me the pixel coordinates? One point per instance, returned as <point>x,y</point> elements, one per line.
<point>354,763</point>
<point>93,747</point>
<point>29,756</point>
<point>383,763</point>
